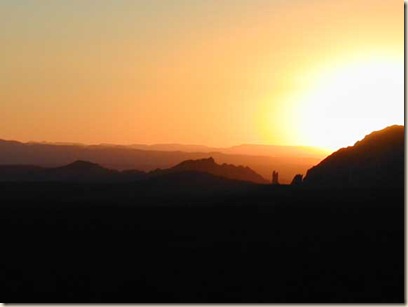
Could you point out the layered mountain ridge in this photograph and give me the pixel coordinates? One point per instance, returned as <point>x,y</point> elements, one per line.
<point>84,171</point>
<point>263,159</point>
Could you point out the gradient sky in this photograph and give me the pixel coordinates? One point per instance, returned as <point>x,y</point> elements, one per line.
<point>214,72</point>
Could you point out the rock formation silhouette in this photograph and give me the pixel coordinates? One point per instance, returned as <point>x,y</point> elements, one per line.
<point>275,177</point>
<point>297,180</point>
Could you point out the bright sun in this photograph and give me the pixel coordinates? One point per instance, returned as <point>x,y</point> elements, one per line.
<point>346,103</point>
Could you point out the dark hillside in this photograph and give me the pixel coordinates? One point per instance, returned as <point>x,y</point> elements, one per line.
<point>375,161</point>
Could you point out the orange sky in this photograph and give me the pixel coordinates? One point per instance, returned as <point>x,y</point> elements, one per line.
<point>217,73</point>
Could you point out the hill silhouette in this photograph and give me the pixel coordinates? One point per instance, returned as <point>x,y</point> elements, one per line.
<point>84,171</point>
<point>211,167</point>
<point>288,160</point>
<point>375,161</point>
<point>79,171</point>
<point>80,166</point>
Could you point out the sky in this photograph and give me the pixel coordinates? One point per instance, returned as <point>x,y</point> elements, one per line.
<point>211,72</point>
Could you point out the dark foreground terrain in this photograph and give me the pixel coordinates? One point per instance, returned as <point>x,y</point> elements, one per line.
<point>194,242</point>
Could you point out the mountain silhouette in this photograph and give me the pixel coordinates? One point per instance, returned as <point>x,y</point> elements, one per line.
<point>80,166</point>
<point>288,160</point>
<point>84,171</point>
<point>188,235</point>
<point>211,167</point>
<point>79,171</point>
<point>375,161</point>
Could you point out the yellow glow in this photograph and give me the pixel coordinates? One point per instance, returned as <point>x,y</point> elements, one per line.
<point>351,101</point>
<point>217,73</point>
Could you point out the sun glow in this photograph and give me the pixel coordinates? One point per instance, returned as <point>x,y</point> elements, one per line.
<point>346,103</point>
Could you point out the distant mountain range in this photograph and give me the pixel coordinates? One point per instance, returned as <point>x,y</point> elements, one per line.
<point>375,161</point>
<point>83,171</point>
<point>287,160</point>
<point>244,149</point>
